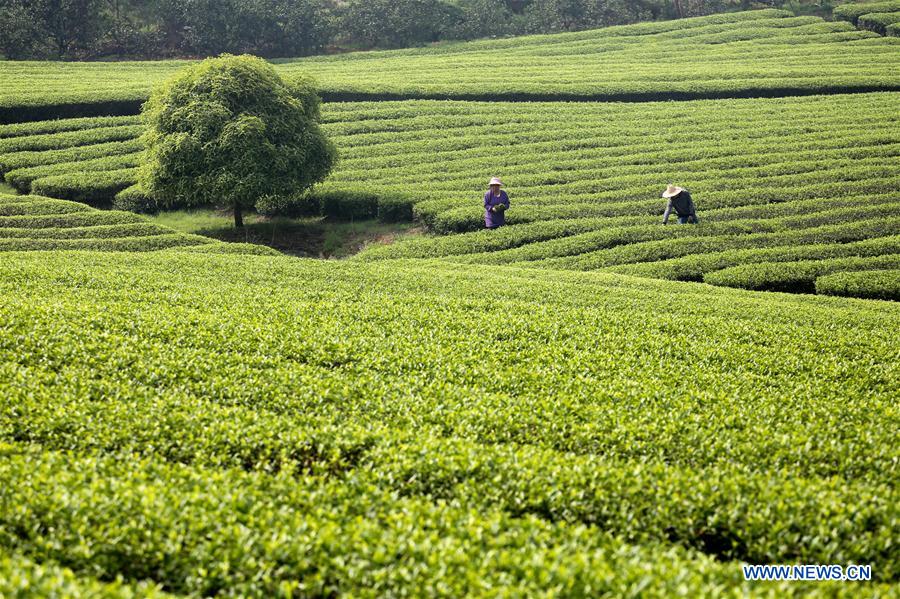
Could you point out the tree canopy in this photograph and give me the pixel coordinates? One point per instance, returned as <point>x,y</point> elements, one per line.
<point>88,29</point>
<point>229,132</point>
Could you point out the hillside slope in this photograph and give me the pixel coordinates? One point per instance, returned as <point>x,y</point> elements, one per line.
<point>758,53</point>
<point>411,427</point>
<point>39,223</point>
<point>777,181</point>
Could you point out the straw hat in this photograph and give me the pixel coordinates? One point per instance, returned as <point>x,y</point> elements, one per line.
<point>671,191</point>
<point>496,181</point>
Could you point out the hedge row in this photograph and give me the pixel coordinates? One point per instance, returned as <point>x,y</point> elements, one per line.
<point>60,125</point>
<point>94,188</point>
<point>21,178</point>
<point>37,223</point>
<point>230,248</point>
<point>305,435</point>
<point>583,250</point>
<point>693,267</point>
<point>21,578</point>
<point>123,244</point>
<point>794,55</point>
<point>200,533</point>
<point>76,219</point>
<point>879,22</point>
<point>852,11</point>
<point>34,205</point>
<point>871,284</point>
<point>872,221</point>
<point>69,139</point>
<point>17,160</point>
<point>137,229</point>
<point>795,277</point>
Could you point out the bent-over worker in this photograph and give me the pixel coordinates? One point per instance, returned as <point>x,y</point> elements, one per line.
<point>495,204</point>
<point>679,200</point>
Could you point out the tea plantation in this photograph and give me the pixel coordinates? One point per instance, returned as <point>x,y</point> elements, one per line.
<point>581,403</point>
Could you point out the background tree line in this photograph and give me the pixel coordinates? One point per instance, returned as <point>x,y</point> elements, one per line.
<point>96,29</point>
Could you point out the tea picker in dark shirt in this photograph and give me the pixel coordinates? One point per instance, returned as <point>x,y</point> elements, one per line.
<point>680,201</point>
<point>495,204</point>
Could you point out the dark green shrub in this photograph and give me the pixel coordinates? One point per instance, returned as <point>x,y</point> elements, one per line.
<point>852,11</point>
<point>879,21</point>
<point>348,204</point>
<point>398,23</point>
<point>96,189</point>
<point>135,199</point>
<point>395,209</point>
<point>871,284</point>
<point>300,204</point>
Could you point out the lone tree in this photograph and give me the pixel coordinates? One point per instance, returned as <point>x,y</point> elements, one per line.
<point>230,131</point>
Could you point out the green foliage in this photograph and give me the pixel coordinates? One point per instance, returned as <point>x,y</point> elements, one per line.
<point>703,57</point>
<point>63,125</point>
<point>852,11</point>
<point>22,578</point>
<point>159,431</point>
<point>22,178</point>
<point>691,267</point>
<point>398,23</point>
<point>879,22</point>
<point>51,28</point>
<point>230,131</point>
<point>135,199</point>
<point>349,204</point>
<point>872,284</point>
<point>767,174</point>
<point>68,139</point>
<point>230,248</point>
<point>15,160</point>
<point>29,223</point>
<point>94,188</point>
<point>795,277</point>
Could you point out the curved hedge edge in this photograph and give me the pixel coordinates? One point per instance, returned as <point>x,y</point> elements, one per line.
<point>228,248</point>
<point>97,189</point>
<point>44,112</point>
<point>23,113</point>
<point>854,10</point>
<point>135,199</point>
<point>362,204</point>
<point>776,92</point>
<point>20,575</point>
<point>865,284</point>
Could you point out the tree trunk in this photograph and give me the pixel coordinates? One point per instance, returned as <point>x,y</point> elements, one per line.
<point>238,217</point>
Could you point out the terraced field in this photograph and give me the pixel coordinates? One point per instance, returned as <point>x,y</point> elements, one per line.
<point>776,180</point>
<point>758,53</point>
<point>553,408</point>
<point>39,223</point>
<point>337,427</point>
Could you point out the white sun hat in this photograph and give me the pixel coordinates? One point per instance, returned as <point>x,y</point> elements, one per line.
<point>496,181</point>
<point>671,191</point>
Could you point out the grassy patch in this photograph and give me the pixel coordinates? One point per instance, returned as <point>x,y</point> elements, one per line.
<point>316,237</point>
<point>6,188</point>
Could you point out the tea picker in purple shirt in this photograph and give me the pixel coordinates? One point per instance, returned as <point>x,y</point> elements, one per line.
<point>495,204</point>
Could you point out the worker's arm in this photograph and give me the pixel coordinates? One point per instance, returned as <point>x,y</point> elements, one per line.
<point>667,212</point>
<point>506,199</point>
<point>691,205</point>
